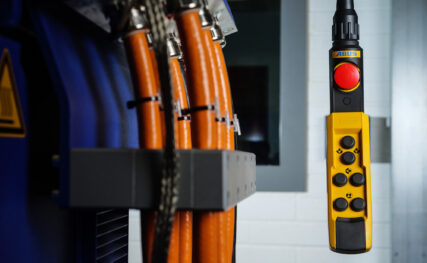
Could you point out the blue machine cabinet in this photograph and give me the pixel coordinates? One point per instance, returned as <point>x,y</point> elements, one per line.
<point>73,84</point>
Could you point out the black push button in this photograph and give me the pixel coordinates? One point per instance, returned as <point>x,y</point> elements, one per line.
<point>348,142</point>
<point>340,204</point>
<point>357,179</point>
<point>339,179</point>
<point>348,158</point>
<point>358,204</point>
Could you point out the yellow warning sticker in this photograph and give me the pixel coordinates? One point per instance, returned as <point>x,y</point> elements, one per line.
<point>11,118</point>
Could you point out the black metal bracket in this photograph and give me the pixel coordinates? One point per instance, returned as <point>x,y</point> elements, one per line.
<point>130,178</point>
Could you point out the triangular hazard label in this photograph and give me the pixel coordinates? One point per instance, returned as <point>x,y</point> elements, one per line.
<point>11,118</point>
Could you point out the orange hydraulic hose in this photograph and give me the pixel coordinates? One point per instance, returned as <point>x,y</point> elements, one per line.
<point>148,224</point>
<point>203,127</point>
<point>225,86</point>
<point>156,72</point>
<point>183,126</point>
<point>145,87</point>
<point>225,99</point>
<point>186,237</point>
<point>222,240</point>
<point>174,249</point>
<point>204,133</point>
<point>157,79</point>
<point>183,142</point>
<point>149,122</point>
<point>230,221</point>
<point>213,68</point>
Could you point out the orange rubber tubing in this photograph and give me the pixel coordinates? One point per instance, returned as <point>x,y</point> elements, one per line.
<point>203,129</point>
<point>186,237</point>
<point>143,76</point>
<point>203,125</point>
<point>213,68</point>
<point>225,92</point>
<point>183,142</point>
<point>149,121</point>
<point>225,99</point>
<point>223,229</point>
<point>174,250</point>
<point>180,94</point>
<point>157,80</point>
<point>148,224</point>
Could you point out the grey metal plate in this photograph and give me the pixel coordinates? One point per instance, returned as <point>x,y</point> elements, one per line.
<point>291,174</point>
<point>408,131</point>
<point>130,178</point>
<point>380,140</point>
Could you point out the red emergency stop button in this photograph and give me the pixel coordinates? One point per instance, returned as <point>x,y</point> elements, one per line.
<point>347,76</point>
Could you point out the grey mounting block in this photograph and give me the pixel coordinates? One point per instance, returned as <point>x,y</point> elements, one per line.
<point>130,178</point>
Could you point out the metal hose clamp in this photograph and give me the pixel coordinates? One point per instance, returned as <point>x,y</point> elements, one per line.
<point>174,48</point>
<point>206,18</point>
<point>138,19</point>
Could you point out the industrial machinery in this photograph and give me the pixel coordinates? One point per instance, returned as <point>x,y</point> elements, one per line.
<point>111,105</point>
<point>348,152</point>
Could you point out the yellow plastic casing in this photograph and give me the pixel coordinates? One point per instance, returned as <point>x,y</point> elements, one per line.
<point>355,124</point>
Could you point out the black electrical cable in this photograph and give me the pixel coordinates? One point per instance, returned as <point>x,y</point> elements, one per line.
<point>170,175</point>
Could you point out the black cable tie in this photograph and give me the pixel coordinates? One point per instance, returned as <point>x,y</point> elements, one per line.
<point>133,103</point>
<point>197,108</point>
<point>184,118</point>
<point>221,119</point>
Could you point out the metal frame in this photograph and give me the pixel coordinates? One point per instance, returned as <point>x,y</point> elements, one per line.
<point>291,173</point>
<point>408,132</point>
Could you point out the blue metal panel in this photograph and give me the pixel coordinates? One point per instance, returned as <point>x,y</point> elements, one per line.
<point>91,71</point>
<point>91,79</point>
<point>10,12</point>
<point>93,83</point>
<point>14,220</point>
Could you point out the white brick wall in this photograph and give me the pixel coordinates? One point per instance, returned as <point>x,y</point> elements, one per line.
<point>135,252</point>
<point>292,227</point>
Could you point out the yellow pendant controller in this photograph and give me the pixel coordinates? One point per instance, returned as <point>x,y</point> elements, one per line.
<point>348,153</point>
